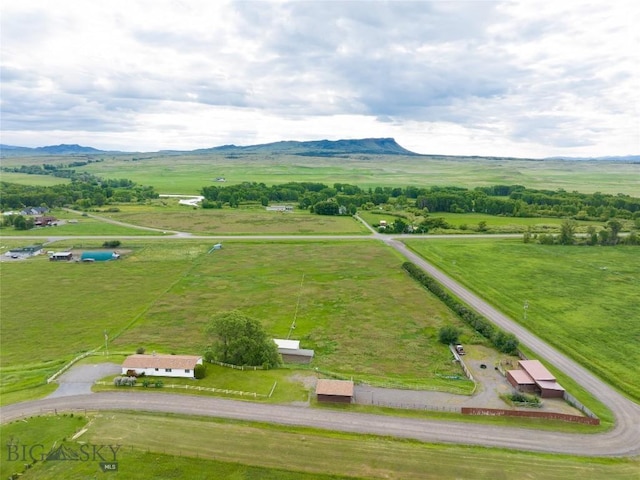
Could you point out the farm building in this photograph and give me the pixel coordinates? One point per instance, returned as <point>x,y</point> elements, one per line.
<point>45,221</point>
<point>291,351</point>
<point>61,256</point>
<point>182,366</point>
<point>280,208</point>
<point>340,391</point>
<point>102,256</point>
<point>24,252</point>
<point>533,377</point>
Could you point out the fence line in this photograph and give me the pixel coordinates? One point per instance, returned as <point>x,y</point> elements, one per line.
<point>497,412</point>
<point>414,406</point>
<point>236,367</point>
<point>573,401</point>
<point>70,364</point>
<point>200,389</point>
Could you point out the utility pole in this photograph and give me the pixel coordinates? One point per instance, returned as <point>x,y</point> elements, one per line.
<point>526,307</point>
<point>106,343</point>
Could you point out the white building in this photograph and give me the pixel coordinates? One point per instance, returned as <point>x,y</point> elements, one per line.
<point>181,366</point>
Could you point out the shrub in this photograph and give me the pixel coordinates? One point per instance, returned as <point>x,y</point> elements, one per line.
<point>448,334</point>
<point>111,244</point>
<point>199,371</point>
<point>140,350</point>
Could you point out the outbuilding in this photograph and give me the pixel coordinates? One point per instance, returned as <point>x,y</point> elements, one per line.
<point>338,391</point>
<point>99,256</point>
<point>533,376</point>
<point>61,256</point>
<point>292,353</point>
<point>180,366</point>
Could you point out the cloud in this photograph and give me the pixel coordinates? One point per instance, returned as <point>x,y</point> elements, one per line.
<point>494,78</point>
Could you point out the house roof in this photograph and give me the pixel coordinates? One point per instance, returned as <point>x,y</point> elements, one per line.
<point>187,362</point>
<point>301,352</point>
<point>521,377</point>
<point>343,388</point>
<point>536,370</point>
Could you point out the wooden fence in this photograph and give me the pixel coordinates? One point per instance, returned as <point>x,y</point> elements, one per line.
<point>533,414</point>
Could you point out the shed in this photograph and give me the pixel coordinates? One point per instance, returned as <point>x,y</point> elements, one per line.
<point>181,366</point>
<point>99,256</point>
<point>340,391</point>
<point>61,256</point>
<point>291,351</point>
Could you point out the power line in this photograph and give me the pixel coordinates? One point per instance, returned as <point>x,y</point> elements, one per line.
<point>295,315</point>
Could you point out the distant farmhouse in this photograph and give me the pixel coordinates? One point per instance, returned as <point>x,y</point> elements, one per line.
<point>280,208</point>
<point>181,366</point>
<point>24,252</point>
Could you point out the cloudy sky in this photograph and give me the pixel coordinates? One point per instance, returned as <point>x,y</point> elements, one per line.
<point>526,79</point>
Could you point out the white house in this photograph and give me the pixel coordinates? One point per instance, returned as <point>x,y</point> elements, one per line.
<point>181,366</point>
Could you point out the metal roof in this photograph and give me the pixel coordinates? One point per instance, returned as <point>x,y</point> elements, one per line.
<point>343,388</point>
<point>288,344</point>
<point>521,377</point>
<point>187,362</point>
<point>536,370</point>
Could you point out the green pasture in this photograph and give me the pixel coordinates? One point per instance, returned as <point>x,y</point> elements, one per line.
<point>582,300</point>
<point>167,214</point>
<point>38,180</point>
<point>172,446</point>
<point>350,300</point>
<point>467,223</point>
<point>73,223</point>
<point>357,309</point>
<point>188,173</point>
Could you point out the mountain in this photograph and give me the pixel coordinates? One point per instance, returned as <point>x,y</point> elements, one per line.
<point>62,149</point>
<point>319,148</point>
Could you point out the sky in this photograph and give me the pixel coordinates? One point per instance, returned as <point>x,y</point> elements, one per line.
<point>526,79</point>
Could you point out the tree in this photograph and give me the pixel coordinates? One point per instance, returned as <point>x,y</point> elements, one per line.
<point>615,226</point>
<point>567,232</point>
<point>448,334</point>
<point>240,340</point>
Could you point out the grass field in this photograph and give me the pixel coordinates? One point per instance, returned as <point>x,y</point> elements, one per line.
<point>166,214</point>
<point>357,308</point>
<point>180,447</point>
<point>467,223</point>
<point>39,180</point>
<point>188,173</point>
<point>582,300</point>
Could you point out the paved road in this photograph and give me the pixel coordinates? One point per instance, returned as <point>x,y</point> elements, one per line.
<point>622,440</point>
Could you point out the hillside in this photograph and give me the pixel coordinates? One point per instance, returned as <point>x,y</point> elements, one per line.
<point>320,148</point>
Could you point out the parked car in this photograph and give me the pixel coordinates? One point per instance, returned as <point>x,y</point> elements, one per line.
<point>460,350</point>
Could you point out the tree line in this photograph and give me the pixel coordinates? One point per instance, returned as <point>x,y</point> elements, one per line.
<point>514,200</point>
<point>94,192</point>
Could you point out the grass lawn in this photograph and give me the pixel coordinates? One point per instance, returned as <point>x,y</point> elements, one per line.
<point>285,383</point>
<point>582,300</point>
<point>166,214</point>
<point>169,446</point>
<point>357,309</point>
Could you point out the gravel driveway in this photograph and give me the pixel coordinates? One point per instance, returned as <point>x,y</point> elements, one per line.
<point>79,379</point>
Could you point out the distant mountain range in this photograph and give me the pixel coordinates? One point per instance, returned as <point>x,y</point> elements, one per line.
<point>314,148</point>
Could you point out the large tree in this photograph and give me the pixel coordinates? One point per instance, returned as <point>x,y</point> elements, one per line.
<point>240,340</point>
